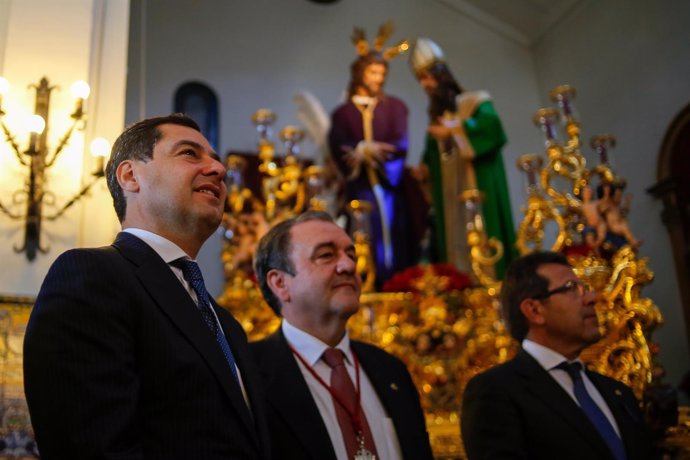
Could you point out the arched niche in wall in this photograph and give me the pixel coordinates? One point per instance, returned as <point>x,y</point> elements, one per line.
<point>673,188</point>
<point>199,102</point>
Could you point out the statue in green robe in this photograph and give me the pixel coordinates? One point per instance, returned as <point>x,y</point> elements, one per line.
<point>462,152</point>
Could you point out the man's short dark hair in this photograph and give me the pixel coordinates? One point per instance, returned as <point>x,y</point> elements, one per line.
<point>273,253</point>
<point>136,143</point>
<point>523,282</point>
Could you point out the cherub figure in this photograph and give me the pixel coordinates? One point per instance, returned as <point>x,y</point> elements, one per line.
<point>615,210</point>
<point>594,231</point>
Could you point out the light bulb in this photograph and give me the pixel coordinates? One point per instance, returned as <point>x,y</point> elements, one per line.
<point>36,124</point>
<point>100,147</point>
<point>80,89</point>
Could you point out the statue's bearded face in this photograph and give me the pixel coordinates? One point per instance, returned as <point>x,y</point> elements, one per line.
<point>427,82</point>
<point>373,79</point>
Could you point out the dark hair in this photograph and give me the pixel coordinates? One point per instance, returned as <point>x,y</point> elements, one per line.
<point>523,282</point>
<point>136,143</point>
<point>273,253</point>
<point>357,70</point>
<point>447,89</point>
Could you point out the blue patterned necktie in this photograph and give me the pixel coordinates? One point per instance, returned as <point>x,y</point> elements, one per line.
<point>192,274</point>
<point>593,412</point>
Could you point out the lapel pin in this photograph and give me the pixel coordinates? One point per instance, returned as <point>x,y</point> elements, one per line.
<point>394,386</point>
<point>618,392</point>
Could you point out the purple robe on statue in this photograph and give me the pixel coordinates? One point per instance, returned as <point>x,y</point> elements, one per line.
<point>389,126</point>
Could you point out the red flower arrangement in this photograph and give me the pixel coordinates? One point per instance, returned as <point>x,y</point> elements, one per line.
<point>405,281</point>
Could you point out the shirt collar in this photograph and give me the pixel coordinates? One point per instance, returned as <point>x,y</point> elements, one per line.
<point>546,357</point>
<point>166,249</point>
<point>362,100</point>
<point>309,347</point>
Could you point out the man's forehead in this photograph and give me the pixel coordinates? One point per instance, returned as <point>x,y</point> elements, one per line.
<point>315,232</point>
<point>172,133</point>
<point>169,130</point>
<point>556,272</point>
<point>375,66</point>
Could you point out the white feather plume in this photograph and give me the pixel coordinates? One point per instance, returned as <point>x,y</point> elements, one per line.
<point>315,120</point>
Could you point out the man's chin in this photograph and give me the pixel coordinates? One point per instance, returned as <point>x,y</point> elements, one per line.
<point>594,337</point>
<point>348,309</point>
<point>209,221</point>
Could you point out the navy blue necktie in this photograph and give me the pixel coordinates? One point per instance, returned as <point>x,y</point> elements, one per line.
<point>192,274</point>
<point>593,412</point>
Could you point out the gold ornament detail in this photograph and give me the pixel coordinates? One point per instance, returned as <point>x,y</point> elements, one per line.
<point>359,39</point>
<point>625,318</point>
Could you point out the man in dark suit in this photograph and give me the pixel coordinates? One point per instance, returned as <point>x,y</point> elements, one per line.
<point>541,404</point>
<point>126,356</point>
<point>306,270</point>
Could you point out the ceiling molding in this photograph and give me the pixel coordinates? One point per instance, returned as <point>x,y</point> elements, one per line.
<point>524,22</point>
<point>489,21</point>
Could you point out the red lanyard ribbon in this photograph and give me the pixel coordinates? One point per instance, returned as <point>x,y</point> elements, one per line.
<point>354,415</point>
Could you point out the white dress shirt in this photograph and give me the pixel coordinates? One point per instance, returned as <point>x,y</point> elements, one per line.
<point>549,359</point>
<point>382,429</point>
<point>169,252</point>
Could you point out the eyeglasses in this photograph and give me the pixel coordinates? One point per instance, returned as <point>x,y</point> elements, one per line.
<point>578,286</point>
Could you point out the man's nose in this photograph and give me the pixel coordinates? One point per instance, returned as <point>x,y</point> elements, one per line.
<point>214,167</point>
<point>590,296</point>
<point>345,264</point>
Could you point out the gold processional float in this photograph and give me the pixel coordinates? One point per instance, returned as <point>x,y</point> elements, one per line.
<point>444,324</point>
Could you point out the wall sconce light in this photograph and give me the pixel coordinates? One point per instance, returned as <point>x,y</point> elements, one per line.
<point>37,159</point>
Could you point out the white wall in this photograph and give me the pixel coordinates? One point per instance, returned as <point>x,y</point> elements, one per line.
<point>64,41</point>
<point>630,62</point>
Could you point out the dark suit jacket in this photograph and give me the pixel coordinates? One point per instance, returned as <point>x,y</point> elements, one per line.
<point>297,430</point>
<point>118,364</point>
<point>518,411</point>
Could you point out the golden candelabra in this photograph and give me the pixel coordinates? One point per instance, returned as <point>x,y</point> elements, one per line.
<point>288,187</point>
<point>484,252</point>
<point>594,234</point>
<point>360,212</point>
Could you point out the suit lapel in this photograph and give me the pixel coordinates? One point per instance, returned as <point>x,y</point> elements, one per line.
<point>289,394</point>
<point>387,389</point>
<point>171,297</point>
<point>544,388</point>
<point>249,378</point>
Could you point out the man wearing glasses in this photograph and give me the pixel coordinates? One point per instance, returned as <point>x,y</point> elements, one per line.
<point>543,404</point>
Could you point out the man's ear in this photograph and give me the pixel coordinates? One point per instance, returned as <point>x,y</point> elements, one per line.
<point>277,282</point>
<point>126,176</point>
<point>533,310</point>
